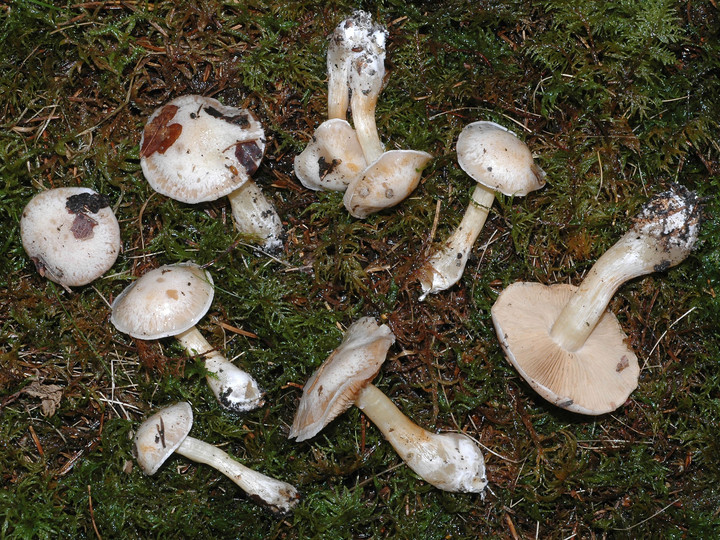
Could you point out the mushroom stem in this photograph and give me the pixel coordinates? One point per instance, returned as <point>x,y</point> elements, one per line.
<point>446,266</point>
<point>448,461</point>
<point>366,78</point>
<point>253,214</point>
<point>278,495</point>
<point>662,236</point>
<point>234,388</point>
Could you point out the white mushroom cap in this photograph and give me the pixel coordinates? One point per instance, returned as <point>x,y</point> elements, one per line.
<point>385,182</point>
<point>595,379</point>
<point>196,149</point>
<point>332,389</point>
<point>164,302</point>
<point>333,159</point>
<point>493,156</point>
<point>71,234</point>
<point>161,434</point>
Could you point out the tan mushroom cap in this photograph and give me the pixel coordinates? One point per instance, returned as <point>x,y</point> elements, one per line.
<point>595,379</point>
<point>386,182</point>
<point>196,149</point>
<point>71,234</point>
<point>161,434</point>
<point>494,157</point>
<point>333,388</point>
<point>333,158</point>
<point>164,302</point>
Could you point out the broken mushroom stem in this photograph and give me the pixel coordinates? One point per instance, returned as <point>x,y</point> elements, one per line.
<point>662,236</point>
<point>448,461</point>
<point>235,389</point>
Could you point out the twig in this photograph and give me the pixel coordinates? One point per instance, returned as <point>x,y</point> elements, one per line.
<point>649,517</point>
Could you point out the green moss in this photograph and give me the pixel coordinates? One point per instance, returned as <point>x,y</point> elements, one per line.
<point>616,101</point>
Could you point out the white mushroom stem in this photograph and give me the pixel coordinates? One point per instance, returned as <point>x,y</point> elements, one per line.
<point>366,78</point>
<point>448,461</point>
<point>234,388</point>
<point>278,495</point>
<point>253,214</point>
<point>446,266</point>
<point>354,34</point>
<point>662,236</point>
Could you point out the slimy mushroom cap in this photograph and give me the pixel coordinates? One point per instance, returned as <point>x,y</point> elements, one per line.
<point>333,388</point>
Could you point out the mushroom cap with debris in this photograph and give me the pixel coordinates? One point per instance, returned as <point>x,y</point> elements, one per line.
<point>161,434</point>
<point>494,157</point>
<point>195,149</point>
<point>71,234</point>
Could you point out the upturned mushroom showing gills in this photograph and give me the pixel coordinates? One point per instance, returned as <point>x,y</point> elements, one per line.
<point>448,461</point>
<point>167,431</point>
<point>169,301</point>
<point>195,149</point>
<point>334,157</point>
<point>71,234</point>
<point>563,340</point>
<point>390,176</point>
<point>499,162</point>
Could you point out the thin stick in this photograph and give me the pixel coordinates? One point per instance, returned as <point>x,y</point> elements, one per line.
<point>92,514</point>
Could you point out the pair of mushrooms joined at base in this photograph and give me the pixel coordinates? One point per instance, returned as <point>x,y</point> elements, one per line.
<point>341,158</point>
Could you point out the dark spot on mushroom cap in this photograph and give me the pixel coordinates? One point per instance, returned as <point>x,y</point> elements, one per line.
<point>86,202</point>
<point>249,155</point>
<point>82,227</point>
<point>327,168</point>
<point>662,266</point>
<point>158,135</point>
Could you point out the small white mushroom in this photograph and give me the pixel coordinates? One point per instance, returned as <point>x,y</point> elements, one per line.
<point>167,431</point>
<point>499,162</point>
<point>71,234</point>
<point>564,341</point>
<point>448,461</point>
<point>195,149</point>
<point>169,301</point>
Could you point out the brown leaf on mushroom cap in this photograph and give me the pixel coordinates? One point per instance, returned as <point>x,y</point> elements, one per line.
<point>158,135</point>
<point>332,389</point>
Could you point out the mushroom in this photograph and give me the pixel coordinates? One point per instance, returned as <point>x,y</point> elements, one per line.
<point>167,431</point>
<point>334,156</point>
<point>71,234</point>
<point>169,301</point>
<point>390,176</point>
<point>195,149</point>
<point>563,340</point>
<point>499,162</point>
<point>448,461</point>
